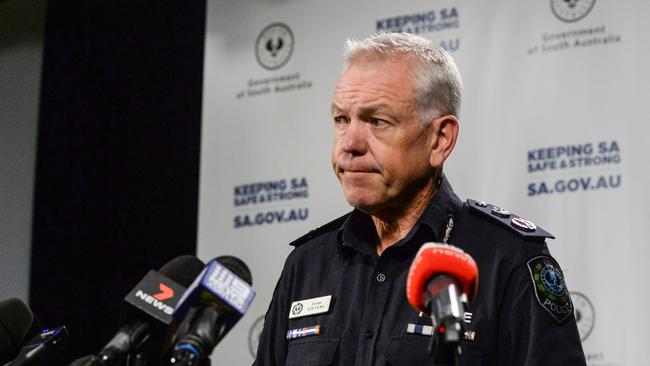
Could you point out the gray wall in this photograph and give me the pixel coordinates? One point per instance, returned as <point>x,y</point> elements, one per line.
<point>22,24</point>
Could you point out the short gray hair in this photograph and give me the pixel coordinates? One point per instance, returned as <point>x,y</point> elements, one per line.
<point>436,77</point>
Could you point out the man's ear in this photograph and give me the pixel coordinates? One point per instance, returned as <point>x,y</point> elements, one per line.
<point>445,134</point>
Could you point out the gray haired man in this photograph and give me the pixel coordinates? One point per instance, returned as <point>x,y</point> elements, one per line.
<point>341,297</point>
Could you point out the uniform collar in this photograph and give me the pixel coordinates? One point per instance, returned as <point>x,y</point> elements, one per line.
<point>358,232</point>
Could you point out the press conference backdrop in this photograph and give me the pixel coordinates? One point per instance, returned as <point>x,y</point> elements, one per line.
<point>553,126</point>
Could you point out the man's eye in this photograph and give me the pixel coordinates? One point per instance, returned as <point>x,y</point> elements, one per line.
<point>377,122</point>
<point>340,119</point>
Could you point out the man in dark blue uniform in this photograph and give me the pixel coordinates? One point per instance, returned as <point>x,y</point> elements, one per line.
<point>341,297</point>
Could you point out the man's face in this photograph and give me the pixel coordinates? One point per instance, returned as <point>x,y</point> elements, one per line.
<point>381,150</point>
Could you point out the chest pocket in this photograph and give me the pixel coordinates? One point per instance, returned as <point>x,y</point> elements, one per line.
<point>412,349</point>
<point>408,349</point>
<point>312,351</point>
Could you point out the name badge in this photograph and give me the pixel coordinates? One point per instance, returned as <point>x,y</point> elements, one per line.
<point>317,305</point>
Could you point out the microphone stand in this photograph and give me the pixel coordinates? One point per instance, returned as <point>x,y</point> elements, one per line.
<point>139,359</point>
<point>449,330</point>
<point>445,345</point>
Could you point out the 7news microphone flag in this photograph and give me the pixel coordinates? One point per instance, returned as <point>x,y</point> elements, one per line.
<point>147,322</point>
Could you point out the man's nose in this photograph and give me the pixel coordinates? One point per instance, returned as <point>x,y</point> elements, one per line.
<point>354,140</point>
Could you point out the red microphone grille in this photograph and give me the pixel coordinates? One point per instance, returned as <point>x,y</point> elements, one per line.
<point>433,259</point>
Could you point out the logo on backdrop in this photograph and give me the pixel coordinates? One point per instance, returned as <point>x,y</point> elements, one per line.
<point>584,313</point>
<point>270,202</point>
<point>574,168</point>
<point>254,335</point>
<point>273,49</point>
<point>571,10</point>
<point>424,22</point>
<point>274,46</point>
<point>585,318</point>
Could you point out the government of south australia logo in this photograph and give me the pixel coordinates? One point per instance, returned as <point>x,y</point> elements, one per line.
<point>571,10</point>
<point>274,46</point>
<point>585,314</point>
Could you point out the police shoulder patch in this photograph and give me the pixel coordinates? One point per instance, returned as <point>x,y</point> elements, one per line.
<point>514,223</point>
<point>550,288</point>
<point>336,223</point>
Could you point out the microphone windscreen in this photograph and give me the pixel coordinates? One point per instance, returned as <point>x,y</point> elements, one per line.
<point>35,329</point>
<point>183,269</point>
<point>434,259</point>
<point>15,320</point>
<point>5,343</point>
<point>236,266</point>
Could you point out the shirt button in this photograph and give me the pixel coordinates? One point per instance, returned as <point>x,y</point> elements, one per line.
<point>381,277</point>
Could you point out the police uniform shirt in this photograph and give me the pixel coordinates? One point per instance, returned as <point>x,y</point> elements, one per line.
<point>368,321</point>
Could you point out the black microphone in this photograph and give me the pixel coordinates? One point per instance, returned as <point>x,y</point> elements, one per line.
<point>16,320</point>
<point>147,322</point>
<point>22,337</point>
<point>42,347</point>
<point>210,307</point>
<point>440,277</point>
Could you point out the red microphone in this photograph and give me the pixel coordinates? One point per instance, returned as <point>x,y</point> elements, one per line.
<point>440,277</point>
<point>433,260</point>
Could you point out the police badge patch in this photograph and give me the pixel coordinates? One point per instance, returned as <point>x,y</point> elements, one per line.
<point>550,289</point>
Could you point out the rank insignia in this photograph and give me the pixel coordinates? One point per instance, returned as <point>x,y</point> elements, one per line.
<point>550,288</point>
<point>514,223</point>
<point>523,224</point>
<point>500,212</point>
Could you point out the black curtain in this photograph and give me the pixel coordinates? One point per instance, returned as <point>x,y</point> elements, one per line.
<point>118,157</point>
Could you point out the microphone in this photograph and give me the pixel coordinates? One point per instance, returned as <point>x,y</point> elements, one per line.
<point>42,346</point>
<point>440,278</point>
<point>210,307</point>
<point>147,321</point>
<point>16,322</point>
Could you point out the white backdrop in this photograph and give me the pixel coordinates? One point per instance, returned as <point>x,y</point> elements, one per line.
<point>554,104</point>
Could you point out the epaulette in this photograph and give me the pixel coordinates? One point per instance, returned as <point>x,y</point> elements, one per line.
<point>320,230</point>
<point>517,224</point>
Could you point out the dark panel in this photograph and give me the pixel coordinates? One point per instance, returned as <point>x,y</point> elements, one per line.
<point>118,156</point>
